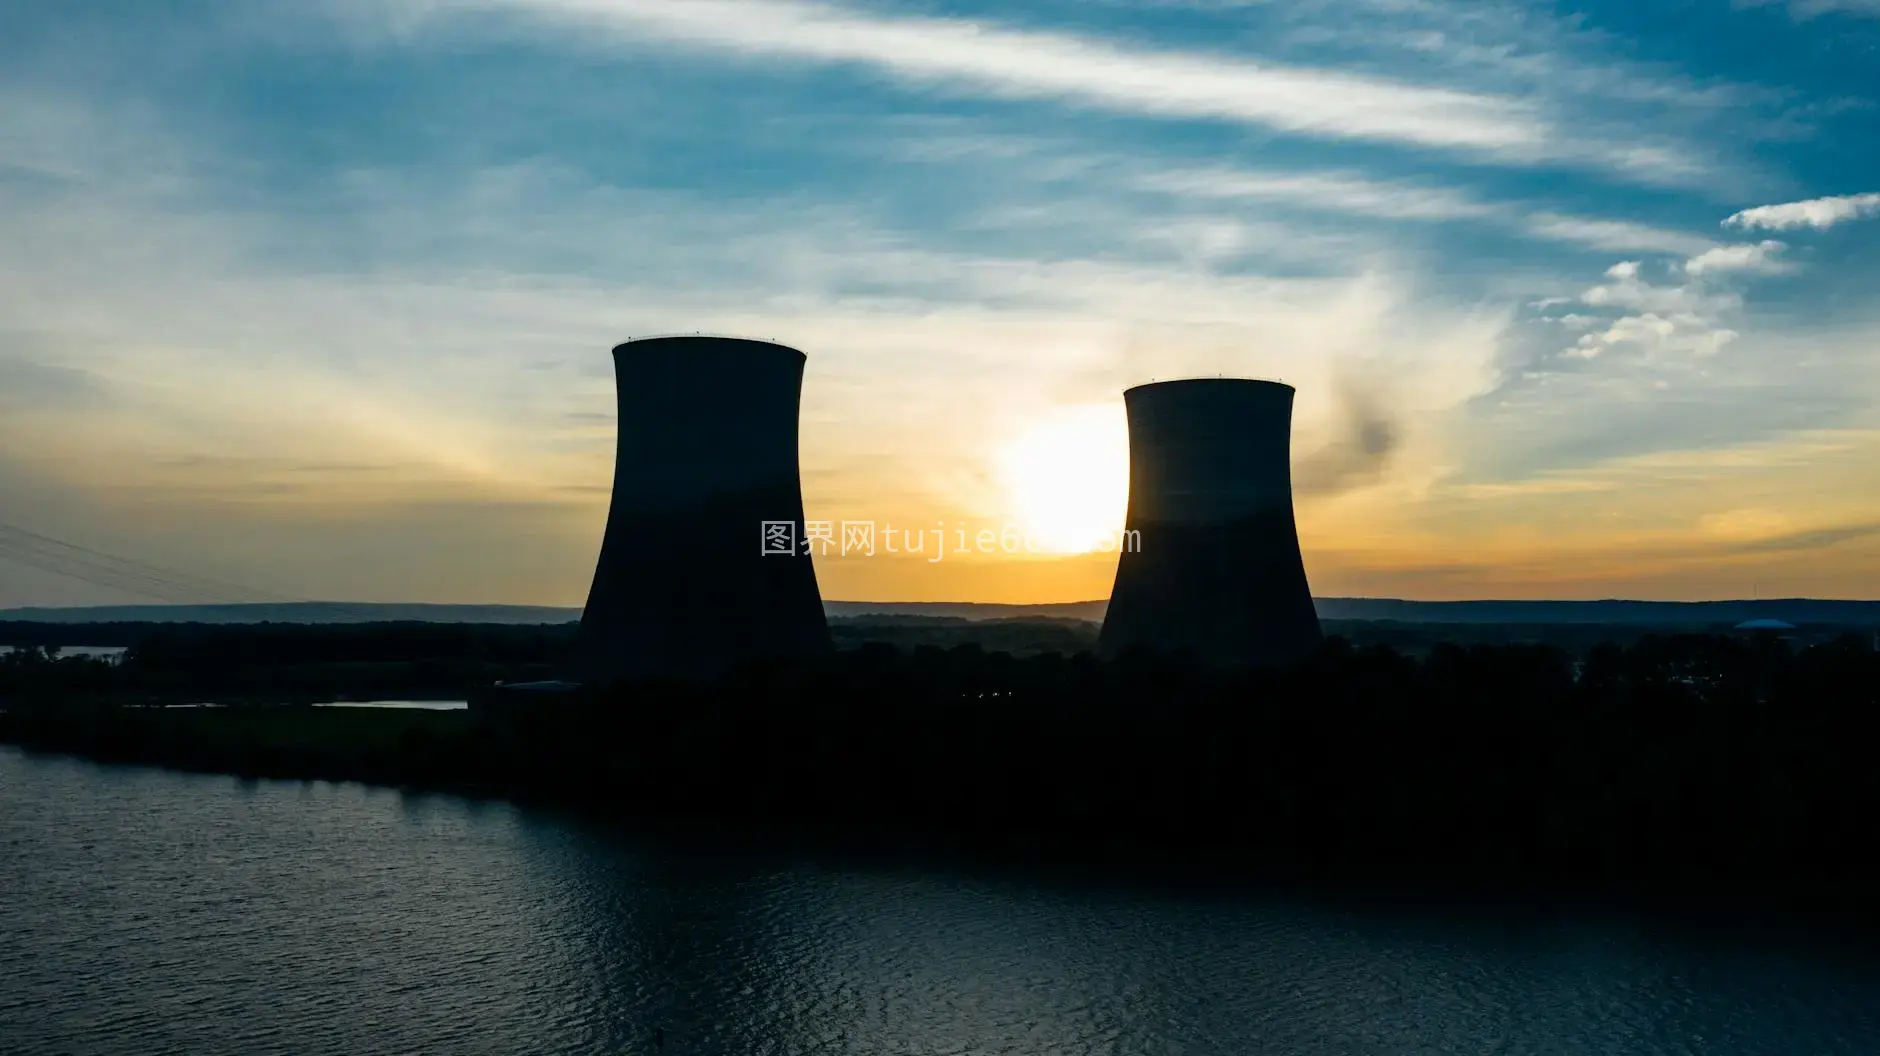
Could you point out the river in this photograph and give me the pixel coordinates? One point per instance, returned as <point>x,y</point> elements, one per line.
<point>146,912</point>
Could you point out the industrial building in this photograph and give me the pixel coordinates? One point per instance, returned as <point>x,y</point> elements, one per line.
<point>1215,571</point>
<point>702,565</point>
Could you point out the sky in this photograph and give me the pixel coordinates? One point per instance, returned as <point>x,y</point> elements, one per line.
<point>314,300</point>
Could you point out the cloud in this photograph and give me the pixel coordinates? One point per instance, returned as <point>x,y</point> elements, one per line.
<point>1341,192</point>
<point>1807,9</point>
<point>1627,289</point>
<point>460,281</point>
<point>1664,323</point>
<point>1680,333</point>
<point>428,272</point>
<point>1353,101</point>
<point>1818,213</point>
<point>1021,64</point>
<point>1811,539</point>
<point>1758,257</point>
<point>1614,235</point>
<point>1649,122</point>
<point>1353,194</point>
<point>1670,356</point>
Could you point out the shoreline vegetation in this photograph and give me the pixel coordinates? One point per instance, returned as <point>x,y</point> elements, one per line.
<point>1698,771</point>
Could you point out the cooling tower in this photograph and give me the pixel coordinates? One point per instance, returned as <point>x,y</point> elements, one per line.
<point>690,579</point>
<point>1214,569</point>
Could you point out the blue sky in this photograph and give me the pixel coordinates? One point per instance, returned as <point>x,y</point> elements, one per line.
<point>316,297</point>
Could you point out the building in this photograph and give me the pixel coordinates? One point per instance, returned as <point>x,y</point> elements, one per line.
<point>703,563</point>
<point>1215,569</point>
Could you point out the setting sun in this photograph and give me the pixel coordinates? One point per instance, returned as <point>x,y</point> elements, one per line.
<point>1067,478</point>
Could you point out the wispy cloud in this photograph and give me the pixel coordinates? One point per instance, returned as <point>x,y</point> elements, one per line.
<point>1807,9</point>
<point>990,60</point>
<point>1023,64</point>
<point>1818,213</point>
<point>1810,539</point>
<point>1759,257</point>
<point>1347,193</point>
<point>1615,235</point>
<point>1330,191</point>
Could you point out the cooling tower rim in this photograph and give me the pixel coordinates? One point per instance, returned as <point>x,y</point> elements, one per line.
<point>1210,382</point>
<point>678,342</point>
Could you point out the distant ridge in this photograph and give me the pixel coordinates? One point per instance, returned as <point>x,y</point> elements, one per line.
<point>1638,613</point>
<point>1614,611</point>
<point>296,612</point>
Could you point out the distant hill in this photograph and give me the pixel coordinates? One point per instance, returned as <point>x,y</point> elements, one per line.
<point>1655,613</point>
<point>967,610</point>
<point>351,612</point>
<point>1637,613</point>
<point>296,612</point>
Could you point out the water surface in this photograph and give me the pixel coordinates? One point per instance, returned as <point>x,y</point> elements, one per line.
<point>394,705</point>
<point>97,652</point>
<point>146,912</point>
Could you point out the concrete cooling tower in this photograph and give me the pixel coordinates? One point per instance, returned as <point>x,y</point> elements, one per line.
<point>703,564</point>
<point>1215,570</point>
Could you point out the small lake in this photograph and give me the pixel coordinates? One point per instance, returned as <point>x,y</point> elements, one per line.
<point>143,911</point>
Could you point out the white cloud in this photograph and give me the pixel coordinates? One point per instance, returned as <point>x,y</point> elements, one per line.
<point>1755,257</point>
<point>1614,235</point>
<point>1650,122</point>
<point>1674,323</point>
<point>1671,355</point>
<point>1627,290</point>
<point>1680,333</point>
<point>1507,121</point>
<point>1026,64</point>
<point>1818,213</point>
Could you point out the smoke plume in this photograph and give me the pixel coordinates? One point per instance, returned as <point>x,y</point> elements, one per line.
<point>1357,456</point>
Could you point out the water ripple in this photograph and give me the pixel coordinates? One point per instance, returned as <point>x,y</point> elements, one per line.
<point>145,912</point>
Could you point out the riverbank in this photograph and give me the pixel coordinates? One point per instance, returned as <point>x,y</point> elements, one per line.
<point>451,752</point>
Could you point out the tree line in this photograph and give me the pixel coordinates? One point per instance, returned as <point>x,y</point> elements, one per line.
<point>1681,765</point>
<point>1686,765</point>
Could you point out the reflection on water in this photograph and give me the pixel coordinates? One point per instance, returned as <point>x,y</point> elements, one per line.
<point>143,911</point>
<point>101,652</point>
<point>405,705</point>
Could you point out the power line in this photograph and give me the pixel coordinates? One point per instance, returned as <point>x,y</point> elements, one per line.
<point>128,575</point>
<point>150,580</point>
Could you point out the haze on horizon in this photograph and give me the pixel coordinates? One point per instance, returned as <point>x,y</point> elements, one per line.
<point>317,299</point>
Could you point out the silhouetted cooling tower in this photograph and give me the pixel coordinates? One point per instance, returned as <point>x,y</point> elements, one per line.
<point>689,583</point>
<point>1215,570</point>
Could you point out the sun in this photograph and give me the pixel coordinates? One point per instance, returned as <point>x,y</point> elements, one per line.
<point>1067,479</point>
